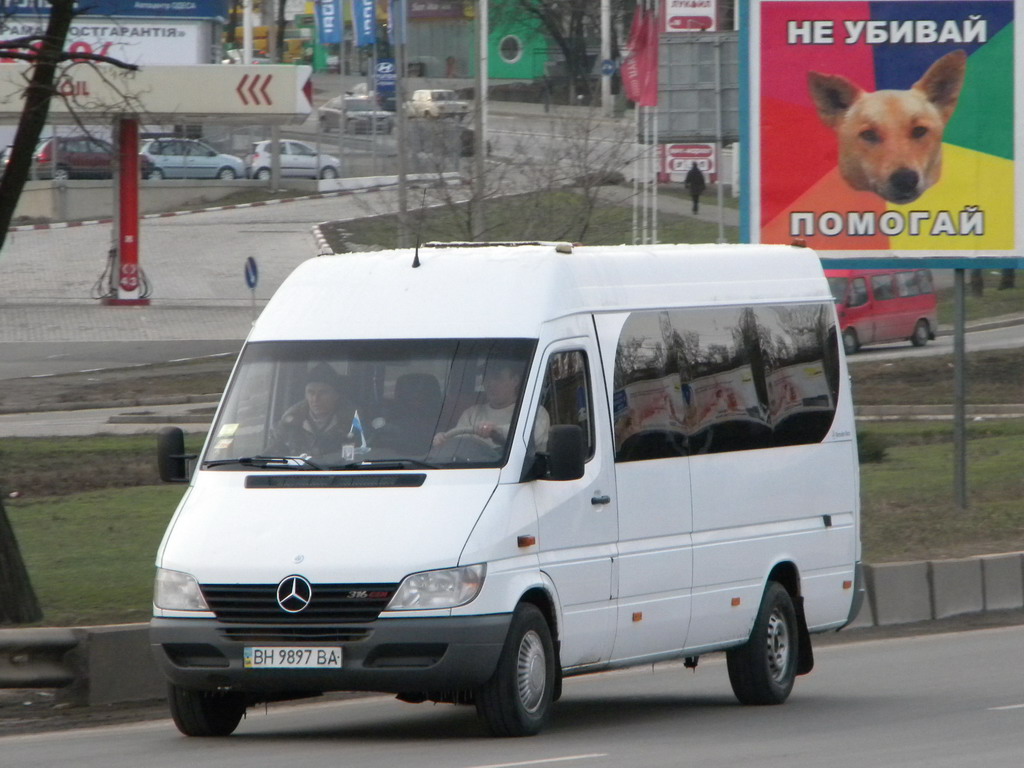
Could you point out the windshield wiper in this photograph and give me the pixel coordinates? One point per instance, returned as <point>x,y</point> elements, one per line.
<point>388,464</point>
<point>266,462</point>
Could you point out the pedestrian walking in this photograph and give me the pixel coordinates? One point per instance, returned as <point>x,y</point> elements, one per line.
<point>695,185</point>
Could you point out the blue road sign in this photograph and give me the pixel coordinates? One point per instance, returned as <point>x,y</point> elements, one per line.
<point>386,75</point>
<point>252,274</point>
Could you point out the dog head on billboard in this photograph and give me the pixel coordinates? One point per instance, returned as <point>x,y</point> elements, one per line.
<point>890,141</point>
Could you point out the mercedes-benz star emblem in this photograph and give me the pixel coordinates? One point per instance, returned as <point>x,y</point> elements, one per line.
<point>294,594</point>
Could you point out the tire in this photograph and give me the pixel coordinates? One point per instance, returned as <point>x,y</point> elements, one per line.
<point>516,701</point>
<point>262,174</point>
<point>850,341</point>
<point>61,173</point>
<point>205,713</point>
<point>922,333</point>
<point>762,670</point>
<point>226,173</point>
<point>329,173</point>
<point>155,175</point>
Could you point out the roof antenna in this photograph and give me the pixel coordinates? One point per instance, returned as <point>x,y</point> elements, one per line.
<point>419,230</point>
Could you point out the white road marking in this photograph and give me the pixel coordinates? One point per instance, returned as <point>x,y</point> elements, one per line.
<point>543,761</point>
<point>1008,706</point>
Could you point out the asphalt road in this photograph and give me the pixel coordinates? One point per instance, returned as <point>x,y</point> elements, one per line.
<point>51,358</point>
<point>941,701</point>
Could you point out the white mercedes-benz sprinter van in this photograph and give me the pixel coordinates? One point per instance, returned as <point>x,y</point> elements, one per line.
<point>463,473</point>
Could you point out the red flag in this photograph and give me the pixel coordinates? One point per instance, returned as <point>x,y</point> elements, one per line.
<point>640,68</point>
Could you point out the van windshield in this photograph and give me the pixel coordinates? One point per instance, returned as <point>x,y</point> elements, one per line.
<point>402,404</point>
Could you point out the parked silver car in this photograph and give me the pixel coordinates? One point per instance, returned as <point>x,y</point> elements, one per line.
<point>174,158</point>
<point>359,114</point>
<point>297,159</point>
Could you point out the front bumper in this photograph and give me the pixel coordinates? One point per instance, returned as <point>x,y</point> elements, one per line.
<point>391,655</point>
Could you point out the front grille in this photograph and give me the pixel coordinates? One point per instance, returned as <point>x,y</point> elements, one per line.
<point>299,634</point>
<point>329,603</point>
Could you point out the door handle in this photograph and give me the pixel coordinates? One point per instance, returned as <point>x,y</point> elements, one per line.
<point>604,499</point>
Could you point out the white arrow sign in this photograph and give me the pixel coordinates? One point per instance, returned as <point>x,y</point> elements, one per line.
<point>261,93</point>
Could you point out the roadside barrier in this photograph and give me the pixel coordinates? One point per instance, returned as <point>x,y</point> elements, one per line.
<point>38,658</point>
<point>114,665</point>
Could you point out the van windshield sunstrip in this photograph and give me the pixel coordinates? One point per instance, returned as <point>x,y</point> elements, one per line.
<point>402,404</point>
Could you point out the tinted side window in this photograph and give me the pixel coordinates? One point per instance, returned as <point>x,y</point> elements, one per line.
<point>882,286</point>
<point>712,380</point>
<point>565,394</point>
<point>858,292</point>
<point>924,279</point>
<point>907,284</point>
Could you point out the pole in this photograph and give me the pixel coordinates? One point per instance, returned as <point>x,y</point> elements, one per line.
<point>719,138</point>
<point>247,31</point>
<point>127,273</point>
<point>959,390</point>
<point>606,55</point>
<point>637,172</point>
<point>479,224</point>
<point>401,126</point>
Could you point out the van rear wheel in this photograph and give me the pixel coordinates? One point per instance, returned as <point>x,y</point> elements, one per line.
<point>762,670</point>
<point>516,701</point>
<point>922,333</point>
<point>205,713</point>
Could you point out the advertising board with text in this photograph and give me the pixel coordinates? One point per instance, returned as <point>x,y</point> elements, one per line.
<point>690,16</point>
<point>133,42</point>
<point>114,9</point>
<point>887,128</point>
<point>676,160</point>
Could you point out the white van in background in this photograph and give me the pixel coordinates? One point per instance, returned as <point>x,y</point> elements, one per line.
<point>672,472</point>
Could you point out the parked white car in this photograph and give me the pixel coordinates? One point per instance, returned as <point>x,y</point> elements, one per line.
<point>298,159</point>
<point>436,102</point>
<point>174,158</point>
<point>359,114</point>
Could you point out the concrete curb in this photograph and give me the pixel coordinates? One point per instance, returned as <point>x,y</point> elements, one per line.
<point>114,665</point>
<point>902,593</point>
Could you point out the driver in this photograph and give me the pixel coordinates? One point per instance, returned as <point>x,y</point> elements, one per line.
<point>490,420</point>
<point>320,423</point>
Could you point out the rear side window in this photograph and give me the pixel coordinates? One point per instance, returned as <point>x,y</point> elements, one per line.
<point>712,380</point>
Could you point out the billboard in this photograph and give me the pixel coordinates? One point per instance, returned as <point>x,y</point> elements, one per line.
<point>157,9</point>
<point>134,42</point>
<point>884,129</point>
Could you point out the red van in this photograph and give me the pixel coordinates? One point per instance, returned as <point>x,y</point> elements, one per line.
<point>880,305</point>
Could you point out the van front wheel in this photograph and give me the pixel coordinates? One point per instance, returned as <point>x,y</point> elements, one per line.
<point>205,713</point>
<point>516,701</point>
<point>763,669</point>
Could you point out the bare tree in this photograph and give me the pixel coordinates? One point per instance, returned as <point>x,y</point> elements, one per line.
<point>46,54</point>
<point>550,181</point>
<point>18,603</point>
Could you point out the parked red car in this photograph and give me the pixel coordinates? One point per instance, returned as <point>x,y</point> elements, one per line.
<point>77,157</point>
<point>883,305</point>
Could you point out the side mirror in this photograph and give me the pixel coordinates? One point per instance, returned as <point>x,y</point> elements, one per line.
<point>171,459</point>
<point>567,452</point>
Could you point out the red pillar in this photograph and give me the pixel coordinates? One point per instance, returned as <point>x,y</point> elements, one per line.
<point>128,273</point>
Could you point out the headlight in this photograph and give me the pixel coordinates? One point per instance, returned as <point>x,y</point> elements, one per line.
<point>438,589</point>
<point>177,591</point>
